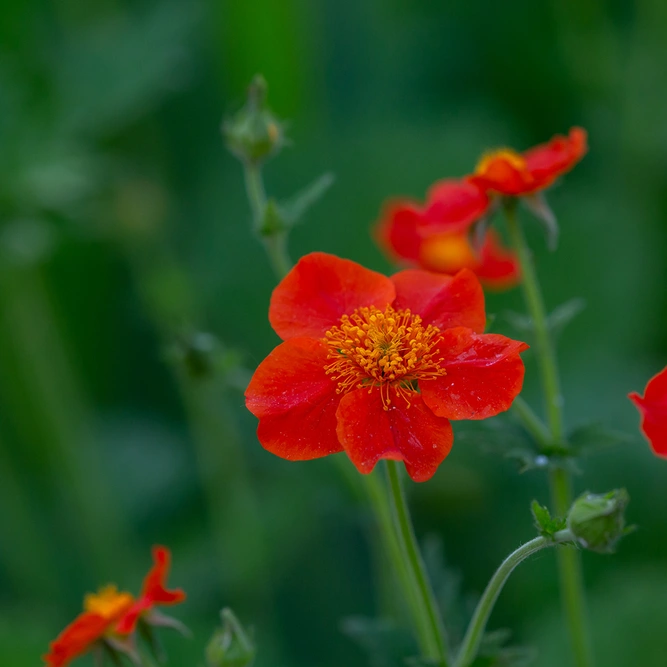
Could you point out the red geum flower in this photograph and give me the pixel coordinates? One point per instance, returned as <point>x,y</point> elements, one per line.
<point>101,611</point>
<point>436,237</point>
<point>653,409</point>
<point>153,593</point>
<point>507,172</point>
<point>111,615</point>
<point>377,366</point>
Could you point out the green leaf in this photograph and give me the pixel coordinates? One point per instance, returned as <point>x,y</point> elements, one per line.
<point>384,642</point>
<point>561,316</point>
<point>596,436</point>
<point>295,208</point>
<point>557,320</point>
<point>494,652</point>
<point>546,525</point>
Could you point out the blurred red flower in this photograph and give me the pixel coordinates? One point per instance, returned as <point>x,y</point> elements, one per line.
<point>653,409</point>
<point>153,593</point>
<point>111,613</point>
<point>377,366</point>
<point>507,172</point>
<point>436,237</point>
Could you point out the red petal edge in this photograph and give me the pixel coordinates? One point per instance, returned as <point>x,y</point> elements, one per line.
<point>295,401</point>
<point>412,434</point>
<point>653,409</point>
<point>76,639</point>
<point>319,290</point>
<point>484,375</point>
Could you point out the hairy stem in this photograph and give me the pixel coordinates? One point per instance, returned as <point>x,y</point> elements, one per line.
<point>473,637</point>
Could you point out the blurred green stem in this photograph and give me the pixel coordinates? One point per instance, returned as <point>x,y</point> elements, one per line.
<point>569,560</point>
<point>473,637</point>
<point>60,421</point>
<point>430,630</point>
<point>275,243</point>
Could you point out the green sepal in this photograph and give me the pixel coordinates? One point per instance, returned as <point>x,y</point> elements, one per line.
<point>231,645</point>
<point>274,221</point>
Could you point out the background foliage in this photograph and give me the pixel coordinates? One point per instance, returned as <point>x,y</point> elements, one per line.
<point>124,232</point>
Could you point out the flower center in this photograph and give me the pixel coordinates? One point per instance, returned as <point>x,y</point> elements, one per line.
<point>108,602</point>
<point>506,155</point>
<point>382,348</point>
<point>447,252</point>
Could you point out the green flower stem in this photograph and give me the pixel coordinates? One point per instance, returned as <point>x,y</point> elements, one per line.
<point>428,623</point>
<point>569,561</point>
<point>472,640</point>
<point>275,244</point>
<point>373,487</point>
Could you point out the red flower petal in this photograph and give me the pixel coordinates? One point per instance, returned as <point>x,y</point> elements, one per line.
<point>319,290</point>
<point>653,409</point>
<point>442,300</point>
<point>453,205</point>
<point>154,587</point>
<point>153,592</point>
<point>498,268</point>
<point>412,434</point>
<point>504,177</point>
<point>76,639</point>
<point>295,401</point>
<point>396,232</point>
<point>484,375</point>
<point>549,161</point>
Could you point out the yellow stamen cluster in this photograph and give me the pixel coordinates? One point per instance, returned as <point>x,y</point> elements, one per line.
<point>505,154</point>
<point>382,348</point>
<point>108,602</point>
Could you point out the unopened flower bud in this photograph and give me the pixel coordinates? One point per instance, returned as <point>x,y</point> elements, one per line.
<point>254,134</point>
<point>230,646</point>
<point>598,521</point>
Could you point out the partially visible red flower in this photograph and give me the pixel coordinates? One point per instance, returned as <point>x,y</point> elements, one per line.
<point>377,366</point>
<point>507,172</point>
<point>153,592</point>
<point>112,614</point>
<point>102,610</point>
<point>653,409</point>
<point>436,237</point>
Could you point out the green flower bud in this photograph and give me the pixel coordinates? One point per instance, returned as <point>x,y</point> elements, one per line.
<point>230,645</point>
<point>598,521</point>
<point>254,134</point>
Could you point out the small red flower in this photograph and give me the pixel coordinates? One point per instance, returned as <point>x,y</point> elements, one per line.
<point>653,409</point>
<point>377,366</point>
<point>507,172</point>
<point>436,237</point>
<point>153,592</point>
<point>110,614</point>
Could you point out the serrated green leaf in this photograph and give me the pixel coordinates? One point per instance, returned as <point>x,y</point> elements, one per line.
<point>295,208</point>
<point>546,525</point>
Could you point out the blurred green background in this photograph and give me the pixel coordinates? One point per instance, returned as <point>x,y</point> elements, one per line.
<point>126,258</point>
